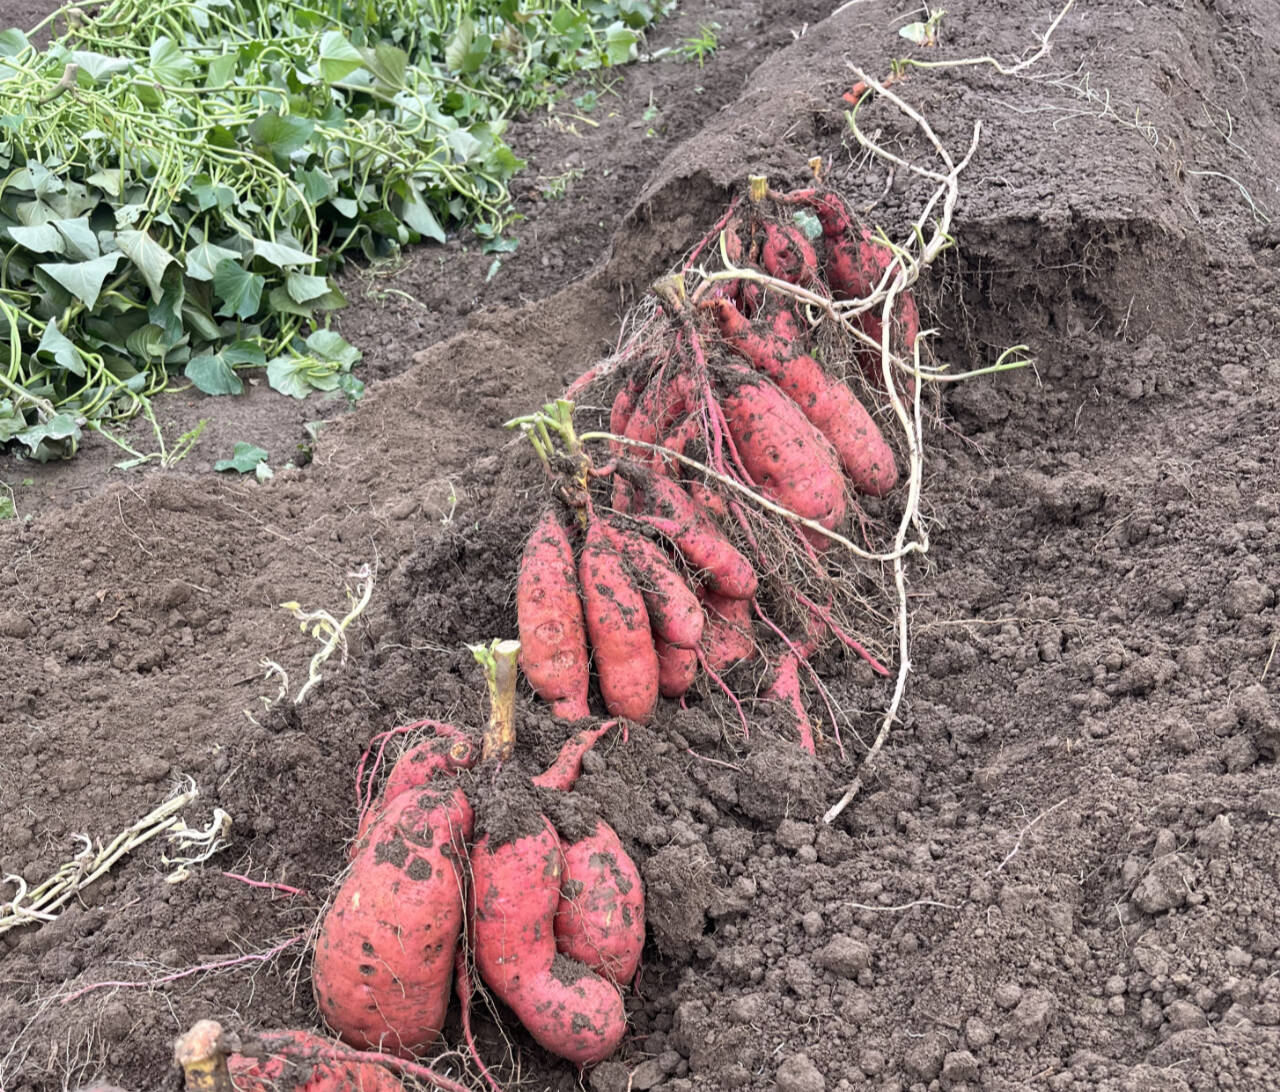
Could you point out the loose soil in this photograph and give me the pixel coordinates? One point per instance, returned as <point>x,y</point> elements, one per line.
<point>1063,873</point>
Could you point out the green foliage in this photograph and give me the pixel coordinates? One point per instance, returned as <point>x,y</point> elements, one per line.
<point>180,180</point>
<point>244,458</point>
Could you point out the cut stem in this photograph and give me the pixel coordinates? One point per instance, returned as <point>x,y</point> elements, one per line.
<point>498,659</point>
<point>202,1055</point>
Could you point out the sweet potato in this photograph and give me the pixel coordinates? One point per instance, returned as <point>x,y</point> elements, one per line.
<point>674,613</point>
<point>445,753</point>
<point>384,957</point>
<point>854,265</point>
<point>788,255</point>
<point>789,459</point>
<point>564,771</point>
<point>553,644</point>
<point>829,404</point>
<point>295,1061</point>
<point>672,512</point>
<point>618,627</point>
<point>515,892</point>
<point>728,636</point>
<point>677,668</point>
<point>600,916</point>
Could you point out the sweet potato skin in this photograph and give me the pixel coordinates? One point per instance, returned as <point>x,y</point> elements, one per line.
<point>293,1060</point>
<point>384,956</point>
<point>830,406</point>
<point>445,753</point>
<point>677,668</point>
<point>697,537</point>
<point>789,459</point>
<point>728,638</point>
<point>600,917</point>
<point>553,643</point>
<point>618,627</point>
<point>567,1008</point>
<point>674,612</point>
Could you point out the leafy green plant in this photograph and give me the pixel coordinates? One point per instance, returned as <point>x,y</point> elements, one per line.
<point>246,458</point>
<point>179,181</point>
<point>698,47</point>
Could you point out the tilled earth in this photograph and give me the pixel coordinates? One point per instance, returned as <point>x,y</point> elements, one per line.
<point>1063,873</point>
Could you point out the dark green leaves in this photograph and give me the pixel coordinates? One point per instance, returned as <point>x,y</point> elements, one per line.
<point>214,373</point>
<point>239,290</point>
<point>244,458</point>
<point>83,279</point>
<point>280,136</point>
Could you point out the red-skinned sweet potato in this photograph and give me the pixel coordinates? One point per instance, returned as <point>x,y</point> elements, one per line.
<point>668,508</point>
<point>294,1061</point>
<point>728,637</point>
<point>829,404</point>
<point>788,255</point>
<point>674,612</point>
<point>445,753</point>
<point>566,1007</point>
<point>600,916</point>
<point>384,958</point>
<point>677,669</point>
<point>553,643</point>
<point>618,627</point>
<point>786,456</point>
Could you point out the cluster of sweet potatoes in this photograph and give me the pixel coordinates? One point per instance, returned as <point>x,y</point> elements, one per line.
<point>553,927</point>
<point>650,564</point>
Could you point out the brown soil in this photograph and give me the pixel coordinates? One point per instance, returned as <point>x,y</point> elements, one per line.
<point>1063,874</point>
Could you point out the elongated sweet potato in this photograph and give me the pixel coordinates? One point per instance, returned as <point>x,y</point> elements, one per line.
<point>677,669</point>
<point>786,456</point>
<point>569,1009</point>
<point>668,508</point>
<point>674,612</point>
<point>384,957</point>
<point>829,404</point>
<point>728,637</point>
<point>553,643</point>
<point>295,1061</point>
<point>788,255</point>
<point>600,916</point>
<point>618,627</point>
<point>564,771</point>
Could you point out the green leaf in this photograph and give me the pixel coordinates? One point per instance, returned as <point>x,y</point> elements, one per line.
<point>808,223</point>
<point>280,255</point>
<point>212,374</point>
<point>239,290</point>
<point>387,63</point>
<point>150,342</point>
<point>220,71</point>
<point>54,342</point>
<point>208,195</point>
<point>13,42</point>
<point>41,238</point>
<point>281,135</point>
<point>289,376</point>
<point>459,47</point>
<point>110,182</point>
<point>330,345</point>
<point>303,287</point>
<point>83,279</point>
<point>419,216</point>
<point>338,57</point>
<point>80,237</point>
<point>203,259</point>
<point>98,66</point>
<point>170,64</point>
<point>150,258</point>
<point>55,437</point>
<point>244,458</point>
<point>620,43</point>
